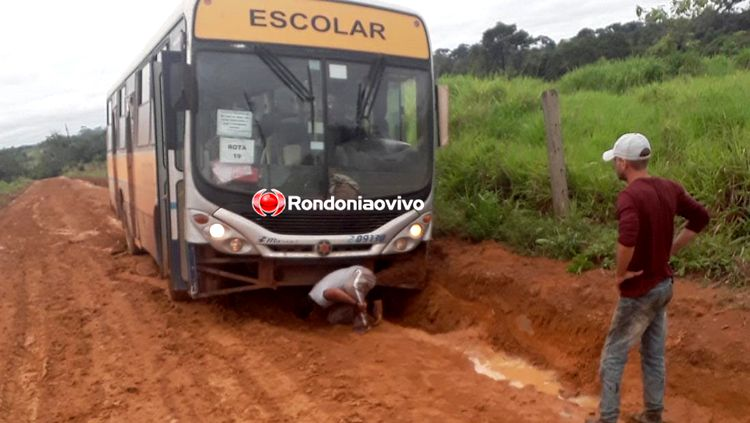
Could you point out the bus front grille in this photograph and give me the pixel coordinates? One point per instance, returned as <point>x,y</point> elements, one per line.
<point>328,224</point>
<point>354,248</point>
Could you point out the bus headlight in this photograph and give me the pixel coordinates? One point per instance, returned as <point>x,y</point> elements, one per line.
<point>217,231</point>
<point>223,237</point>
<point>411,236</point>
<point>416,231</point>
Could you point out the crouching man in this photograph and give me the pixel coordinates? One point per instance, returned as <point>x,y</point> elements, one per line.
<point>343,294</point>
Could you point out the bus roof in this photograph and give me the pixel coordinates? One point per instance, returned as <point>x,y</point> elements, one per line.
<point>187,8</point>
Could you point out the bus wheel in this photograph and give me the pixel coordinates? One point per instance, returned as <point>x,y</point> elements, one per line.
<point>129,239</point>
<point>177,295</point>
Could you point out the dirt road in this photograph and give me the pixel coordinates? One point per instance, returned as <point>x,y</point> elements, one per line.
<point>88,334</point>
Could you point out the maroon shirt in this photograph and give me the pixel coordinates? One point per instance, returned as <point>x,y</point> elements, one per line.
<point>646,210</point>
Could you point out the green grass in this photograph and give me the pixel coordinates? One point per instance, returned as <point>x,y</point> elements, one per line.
<point>9,190</point>
<point>493,180</point>
<point>89,171</point>
<point>623,75</point>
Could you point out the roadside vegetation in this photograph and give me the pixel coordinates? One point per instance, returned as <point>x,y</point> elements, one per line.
<point>9,190</point>
<point>55,156</point>
<point>494,180</point>
<point>94,172</point>
<point>681,75</point>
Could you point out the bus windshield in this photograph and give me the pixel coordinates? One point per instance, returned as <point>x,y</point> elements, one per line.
<point>308,126</point>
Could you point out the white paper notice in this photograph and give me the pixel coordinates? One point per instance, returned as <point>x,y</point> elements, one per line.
<point>237,151</point>
<point>338,71</point>
<point>234,123</point>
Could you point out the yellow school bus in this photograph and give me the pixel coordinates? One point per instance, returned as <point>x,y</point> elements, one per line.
<point>260,144</point>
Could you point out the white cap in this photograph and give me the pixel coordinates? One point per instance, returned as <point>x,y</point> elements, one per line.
<point>629,147</point>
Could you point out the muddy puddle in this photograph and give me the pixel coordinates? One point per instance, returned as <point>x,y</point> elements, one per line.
<point>519,374</point>
<point>515,371</point>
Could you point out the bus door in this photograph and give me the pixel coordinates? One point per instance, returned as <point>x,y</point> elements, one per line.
<point>129,139</point>
<point>112,130</point>
<point>168,136</point>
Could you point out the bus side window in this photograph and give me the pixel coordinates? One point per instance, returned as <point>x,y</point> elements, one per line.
<point>142,101</point>
<point>124,113</point>
<point>120,96</point>
<point>111,119</point>
<point>145,84</point>
<point>125,103</point>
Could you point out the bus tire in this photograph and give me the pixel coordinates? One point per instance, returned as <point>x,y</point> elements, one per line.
<point>160,254</point>
<point>178,296</point>
<point>132,248</point>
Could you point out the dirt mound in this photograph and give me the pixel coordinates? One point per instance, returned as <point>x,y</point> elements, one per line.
<point>531,307</point>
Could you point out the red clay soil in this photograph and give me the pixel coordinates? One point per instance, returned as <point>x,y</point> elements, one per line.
<point>89,334</point>
<point>533,308</point>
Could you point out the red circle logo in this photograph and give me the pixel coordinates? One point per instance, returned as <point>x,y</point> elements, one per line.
<point>269,203</point>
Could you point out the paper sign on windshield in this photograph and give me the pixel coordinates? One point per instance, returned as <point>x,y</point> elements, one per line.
<point>234,123</point>
<point>337,71</point>
<point>236,151</point>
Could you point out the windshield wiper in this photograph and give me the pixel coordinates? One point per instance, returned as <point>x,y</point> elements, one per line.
<point>286,76</point>
<point>367,94</point>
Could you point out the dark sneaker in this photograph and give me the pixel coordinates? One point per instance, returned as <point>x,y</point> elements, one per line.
<point>647,417</point>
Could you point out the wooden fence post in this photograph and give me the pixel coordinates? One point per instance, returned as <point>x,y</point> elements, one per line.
<point>444,102</point>
<point>558,174</point>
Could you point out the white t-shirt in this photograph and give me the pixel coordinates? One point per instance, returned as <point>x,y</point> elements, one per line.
<point>345,280</point>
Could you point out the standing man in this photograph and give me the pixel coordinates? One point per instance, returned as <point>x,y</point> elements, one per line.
<point>646,209</point>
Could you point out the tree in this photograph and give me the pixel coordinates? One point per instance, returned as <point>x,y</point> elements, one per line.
<point>685,26</point>
<point>505,46</point>
<point>12,164</point>
<point>691,24</point>
<point>688,9</point>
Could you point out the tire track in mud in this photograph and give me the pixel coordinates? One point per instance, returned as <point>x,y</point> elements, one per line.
<point>107,335</point>
<point>19,398</point>
<point>12,349</point>
<point>66,339</point>
<point>217,360</point>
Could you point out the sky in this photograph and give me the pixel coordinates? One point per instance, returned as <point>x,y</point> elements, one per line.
<point>58,59</point>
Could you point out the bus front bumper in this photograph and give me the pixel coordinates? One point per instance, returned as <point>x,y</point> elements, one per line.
<point>217,274</point>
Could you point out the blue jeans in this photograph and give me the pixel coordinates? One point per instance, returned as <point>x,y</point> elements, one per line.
<point>641,319</point>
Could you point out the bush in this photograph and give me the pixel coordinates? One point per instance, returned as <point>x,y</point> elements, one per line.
<point>493,180</point>
<point>623,75</point>
<point>743,59</point>
<point>9,189</point>
<point>615,76</point>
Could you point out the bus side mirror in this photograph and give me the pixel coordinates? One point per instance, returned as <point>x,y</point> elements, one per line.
<point>443,105</point>
<point>182,80</point>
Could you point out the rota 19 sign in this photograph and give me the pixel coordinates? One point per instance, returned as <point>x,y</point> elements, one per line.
<point>269,203</point>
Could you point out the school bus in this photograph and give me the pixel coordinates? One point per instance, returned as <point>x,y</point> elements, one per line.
<point>259,144</point>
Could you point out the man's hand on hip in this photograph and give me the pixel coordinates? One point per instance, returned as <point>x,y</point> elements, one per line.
<point>619,279</point>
